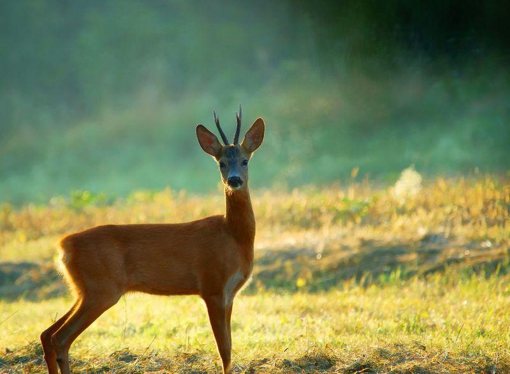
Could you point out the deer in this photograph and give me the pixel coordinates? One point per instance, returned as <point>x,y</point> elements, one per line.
<point>211,257</point>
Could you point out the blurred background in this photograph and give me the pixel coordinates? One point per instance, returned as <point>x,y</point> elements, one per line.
<point>104,96</point>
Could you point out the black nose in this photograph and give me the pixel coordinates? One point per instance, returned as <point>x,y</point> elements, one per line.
<point>235,182</point>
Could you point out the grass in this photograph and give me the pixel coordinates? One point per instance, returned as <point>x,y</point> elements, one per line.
<point>411,278</point>
<point>411,327</point>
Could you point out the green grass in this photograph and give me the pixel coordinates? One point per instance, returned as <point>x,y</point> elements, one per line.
<point>409,278</point>
<point>439,325</point>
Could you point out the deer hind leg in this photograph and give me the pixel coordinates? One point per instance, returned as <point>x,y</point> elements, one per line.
<point>50,355</point>
<point>87,310</point>
<point>220,318</point>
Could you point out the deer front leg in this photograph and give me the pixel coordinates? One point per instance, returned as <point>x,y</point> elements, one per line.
<point>219,319</point>
<point>229,307</point>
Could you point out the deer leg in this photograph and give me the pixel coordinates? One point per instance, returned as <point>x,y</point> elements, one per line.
<point>217,311</point>
<point>50,355</point>
<point>88,310</point>
<point>229,307</point>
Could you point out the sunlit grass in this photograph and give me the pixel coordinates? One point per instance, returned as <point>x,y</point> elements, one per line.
<point>444,325</point>
<point>357,278</point>
<point>464,209</point>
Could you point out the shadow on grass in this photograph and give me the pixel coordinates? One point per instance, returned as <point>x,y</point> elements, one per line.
<point>391,358</point>
<point>303,269</point>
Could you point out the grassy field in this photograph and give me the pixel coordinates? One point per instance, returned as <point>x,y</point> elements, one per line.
<point>354,278</point>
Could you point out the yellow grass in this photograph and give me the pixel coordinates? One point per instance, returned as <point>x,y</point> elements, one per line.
<point>413,278</point>
<point>454,328</point>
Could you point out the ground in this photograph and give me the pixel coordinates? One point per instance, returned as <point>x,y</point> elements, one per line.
<point>354,279</point>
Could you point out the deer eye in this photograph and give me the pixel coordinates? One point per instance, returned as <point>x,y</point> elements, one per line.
<point>245,162</point>
<point>222,164</point>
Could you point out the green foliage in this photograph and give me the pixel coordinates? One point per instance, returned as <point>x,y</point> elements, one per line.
<point>104,96</point>
<point>82,199</point>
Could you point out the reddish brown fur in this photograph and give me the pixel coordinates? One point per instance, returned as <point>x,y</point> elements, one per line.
<point>211,257</point>
<point>160,259</point>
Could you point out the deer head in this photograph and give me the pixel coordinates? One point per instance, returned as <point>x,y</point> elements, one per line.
<point>232,158</point>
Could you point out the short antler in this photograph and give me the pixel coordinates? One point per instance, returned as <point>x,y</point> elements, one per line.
<point>217,120</point>
<point>239,116</point>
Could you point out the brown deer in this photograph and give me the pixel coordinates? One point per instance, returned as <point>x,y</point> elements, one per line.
<point>211,257</point>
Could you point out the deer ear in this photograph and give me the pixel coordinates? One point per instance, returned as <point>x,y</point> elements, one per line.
<point>254,136</point>
<point>208,141</point>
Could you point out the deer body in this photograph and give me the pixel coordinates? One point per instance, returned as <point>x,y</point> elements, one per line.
<point>211,257</point>
<point>160,259</point>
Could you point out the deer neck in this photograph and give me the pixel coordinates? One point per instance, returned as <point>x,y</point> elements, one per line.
<point>239,217</point>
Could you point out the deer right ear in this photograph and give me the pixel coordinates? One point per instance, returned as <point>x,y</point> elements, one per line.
<point>208,141</point>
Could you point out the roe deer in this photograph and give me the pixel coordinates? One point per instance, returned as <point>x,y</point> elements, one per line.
<point>211,257</point>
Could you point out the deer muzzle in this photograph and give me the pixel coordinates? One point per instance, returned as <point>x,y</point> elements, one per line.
<point>235,182</point>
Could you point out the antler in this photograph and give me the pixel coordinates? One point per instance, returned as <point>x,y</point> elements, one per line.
<point>217,120</point>
<point>239,116</point>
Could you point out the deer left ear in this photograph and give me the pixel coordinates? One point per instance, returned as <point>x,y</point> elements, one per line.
<point>254,136</point>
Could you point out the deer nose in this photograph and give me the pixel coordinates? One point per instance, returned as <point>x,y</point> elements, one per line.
<point>235,182</point>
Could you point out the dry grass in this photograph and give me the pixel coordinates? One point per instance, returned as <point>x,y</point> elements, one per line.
<point>474,209</point>
<point>408,279</point>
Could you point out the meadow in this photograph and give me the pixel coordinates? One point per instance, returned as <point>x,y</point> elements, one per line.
<point>357,270</point>
<point>359,277</point>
